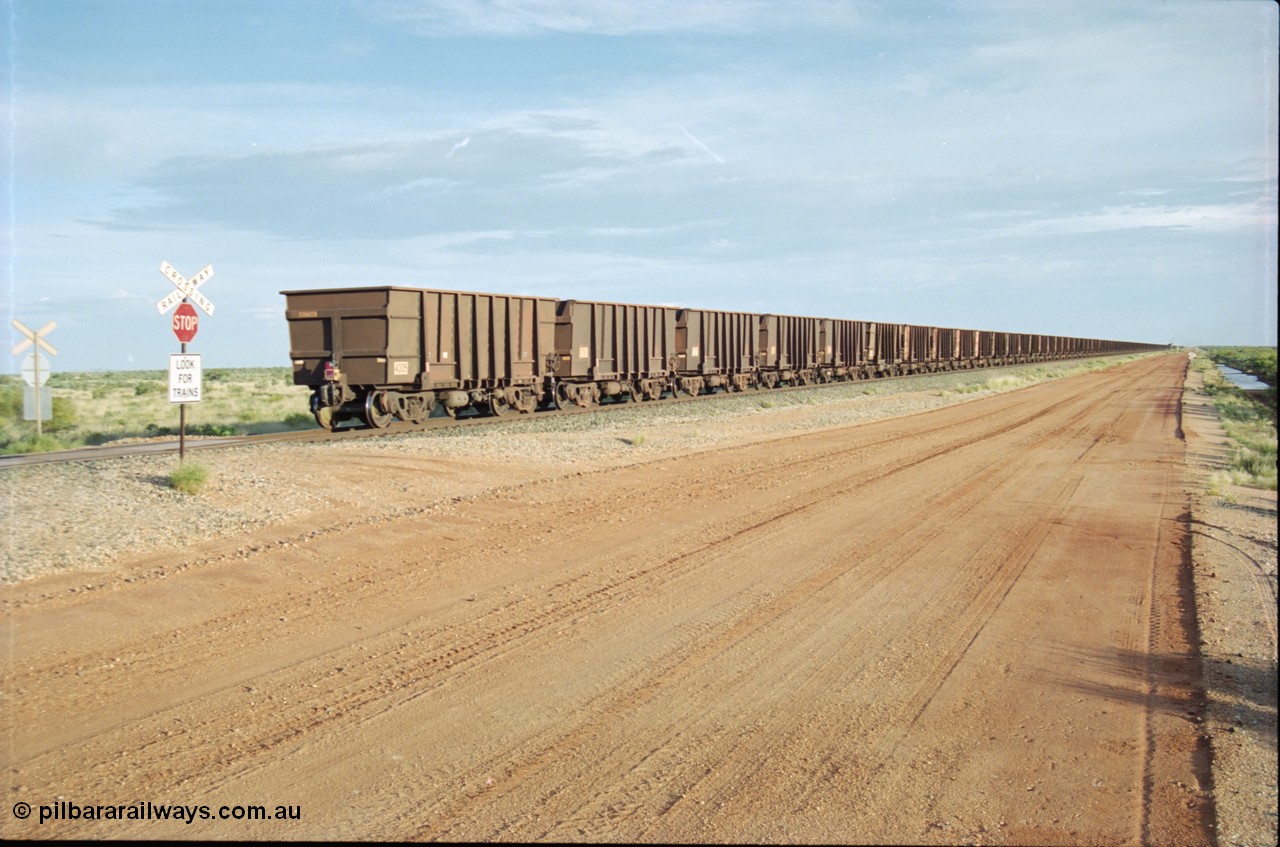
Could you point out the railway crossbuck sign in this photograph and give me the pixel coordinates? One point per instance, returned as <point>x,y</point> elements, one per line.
<point>186,288</point>
<point>35,338</point>
<point>184,369</point>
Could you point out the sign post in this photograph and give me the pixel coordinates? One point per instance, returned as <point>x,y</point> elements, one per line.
<point>35,378</point>
<point>185,370</point>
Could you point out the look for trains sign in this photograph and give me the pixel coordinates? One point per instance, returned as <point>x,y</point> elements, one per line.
<point>184,378</point>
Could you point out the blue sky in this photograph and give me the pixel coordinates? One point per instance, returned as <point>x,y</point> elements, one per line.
<point>1093,169</point>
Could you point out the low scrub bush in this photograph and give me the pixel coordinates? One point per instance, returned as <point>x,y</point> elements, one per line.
<point>34,444</point>
<point>189,478</point>
<point>1250,424</point>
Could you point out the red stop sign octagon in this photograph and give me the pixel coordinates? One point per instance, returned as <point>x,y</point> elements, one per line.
<point>185,322</point>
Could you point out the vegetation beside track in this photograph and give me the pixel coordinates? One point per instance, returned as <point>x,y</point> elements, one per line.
<point>1256,361</point>
<point>99,407</point>
<point>1249,417</point>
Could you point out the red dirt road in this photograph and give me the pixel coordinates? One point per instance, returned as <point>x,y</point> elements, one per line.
<point>966,625</point>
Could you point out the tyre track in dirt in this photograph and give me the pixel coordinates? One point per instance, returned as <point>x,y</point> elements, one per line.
<point>211,633</point>
<point>705,650</point>
<point>349,702</point>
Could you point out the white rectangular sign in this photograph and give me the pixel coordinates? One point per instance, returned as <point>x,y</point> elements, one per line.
<point>184,378</point>
<point>29,404</point>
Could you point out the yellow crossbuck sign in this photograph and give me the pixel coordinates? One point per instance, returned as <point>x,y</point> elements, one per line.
<point>186,288</point>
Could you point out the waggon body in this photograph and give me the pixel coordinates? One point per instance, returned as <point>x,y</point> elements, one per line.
<point>373,354</point>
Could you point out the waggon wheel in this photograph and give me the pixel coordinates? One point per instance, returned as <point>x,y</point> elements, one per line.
<point>374,416</point>
<point>558,398</point>
<point>451,412</point>
<point>496,406</point>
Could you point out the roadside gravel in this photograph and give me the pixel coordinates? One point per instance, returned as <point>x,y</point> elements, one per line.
<point>91,515</point>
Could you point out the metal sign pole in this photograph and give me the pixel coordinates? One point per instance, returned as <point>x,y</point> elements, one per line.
<point>39,408</point>
<point>182,423</point>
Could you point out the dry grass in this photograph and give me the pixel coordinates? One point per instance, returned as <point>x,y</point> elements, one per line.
<point>93,408</point>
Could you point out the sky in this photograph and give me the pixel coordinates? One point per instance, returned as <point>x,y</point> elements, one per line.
<point>1095,169</point>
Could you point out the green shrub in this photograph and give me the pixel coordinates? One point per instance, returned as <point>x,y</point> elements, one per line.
<point>11,401</point>
<point>189,478</point>
<point>34,444</point>
<point>219,430</point>
<point>64,415</point>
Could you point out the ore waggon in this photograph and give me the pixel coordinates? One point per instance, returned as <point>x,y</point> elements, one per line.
<point>375,354</point>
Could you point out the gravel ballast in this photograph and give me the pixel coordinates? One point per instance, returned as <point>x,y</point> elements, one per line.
<point>91,515</point>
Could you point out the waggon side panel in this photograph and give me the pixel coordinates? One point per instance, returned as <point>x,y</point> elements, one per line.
<point>710,341</point>
<point>596,340</point>
<point>396,336</point>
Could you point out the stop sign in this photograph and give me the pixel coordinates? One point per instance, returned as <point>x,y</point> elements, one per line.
<point>185,322</point>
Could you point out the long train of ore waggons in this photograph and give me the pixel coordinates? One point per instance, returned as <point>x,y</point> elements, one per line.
<point>378,353</point>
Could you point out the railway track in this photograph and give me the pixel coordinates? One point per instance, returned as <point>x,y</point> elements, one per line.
<point>116,451</point>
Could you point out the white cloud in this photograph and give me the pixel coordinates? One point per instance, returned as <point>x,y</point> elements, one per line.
<point>518,18</point>
<point>1240,217</point>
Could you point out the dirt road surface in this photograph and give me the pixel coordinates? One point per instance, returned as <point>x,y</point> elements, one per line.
<point>973,624</point>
